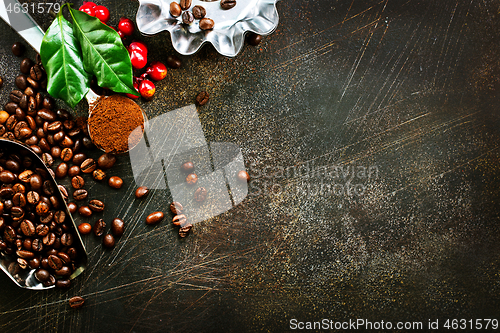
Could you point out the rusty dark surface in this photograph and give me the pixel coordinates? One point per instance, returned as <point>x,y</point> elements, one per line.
<point>399,99</point>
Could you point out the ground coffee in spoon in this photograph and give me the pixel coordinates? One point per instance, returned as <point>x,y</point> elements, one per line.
<point>113,123</point>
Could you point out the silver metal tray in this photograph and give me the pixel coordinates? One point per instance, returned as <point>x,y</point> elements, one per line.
<point>228,34</point>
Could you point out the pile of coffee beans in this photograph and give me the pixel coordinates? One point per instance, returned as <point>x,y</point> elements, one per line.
<point>198,12</point>
<point>34,226</point>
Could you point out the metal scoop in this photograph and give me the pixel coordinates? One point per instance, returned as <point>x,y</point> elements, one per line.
<point>25,278</point>
<point>27,28</point>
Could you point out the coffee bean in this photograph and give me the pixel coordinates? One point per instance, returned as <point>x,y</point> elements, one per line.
<point>200,194</point>
<point>50,282</point>
<point>61,170</point>
<point>26,65</point>
<point>48,102</point>
<point>85,228</point>
<point>99,227</point>
<point>243,176</point>
<point>10,107</point>
<point>117,227</point>
<point>187,17</point>
<point>187,167</point>
<point>185,4</point>
<point>108,241</point>
<point>17,49</point>
<point>179,220</point>
<point>176,208</point>
<point>74,170</point>
<point>56,152</point>
<point>67,142</point>
<point>76,302</point>
<point>254,39</point>
<point>184,231</point>
<point>42,275</point>
<point>33,85</point>
<point>88,165</point>
<point>59,217</point>
<point>19,199</point>
<point>47,159</point>
<point>202,98</point>
<point>55,126</point>
<point>206,23</point>
<point>175,9</point>
<point>64,271</point>
<point>47,115</point>
<point>154,218</point>
<point>115,182</point>
<point>47,187</point>
<point>106,161</point>
<point>227,4</point>
<point>96,205</point>
<point>199,12</point>
<point>67,239</point>
<point>15,96</point>
<point>54,262</point>
<point>9,234</point>
<point>7,176</point>
<point>191,179</point>
<point>85,211</point>
<point>66,154</point>
<point>72,207</point>
<point>47,218</point>
<point>173,62</point>
<point>98,174</point>
<point>79,158</point>
<point>32,197</point>
<point>64,191</point>
<point>36,72</point>
<point>77,182</point>
<point>42,208</point>
<point>21,82</point>
<point>80,194</point>
<point>28,228</point>
<point>18,188</point>
<point>141,192</point>
<point>63,283</point>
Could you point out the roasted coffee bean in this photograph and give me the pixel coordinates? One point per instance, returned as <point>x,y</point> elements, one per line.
<point>57,137</point>
<point>66,259</point>
<point>65,115</point>
<point>47,115</point>
<point>26,66</point>
<point>36,72</point>
<point>67,142</point>
<point>175,9</point>
<point>50,281</point>
<point>88,165</point>
<point>59,217</point>
<point>227,4</point>
<point>179,220</point>
<point>99,227</point>
<point>243,176</point>
<point>34,263</point>
<point>33,84</point>
<point>37,243</point>
<point>191,179</point>
<point>48,102</point>
<point>47,219</point>
<point>176,208</point>
<point>76,302</point>
<point>27,243</point>
<point>202,98</point>
<point>11,122</point>
<point>72,207</point>
<point>55,151</point>
<point>154,218</point>
<point>41,230</point>
<point>173,62</point>
<point>85,211</point>
<point>54,126</point>
<point>63,283</point>
<point>96,205</point>
<point>17,213</point>
<point>108,241</point>
<point>141,192</point>
<point>44,145</point>
<point>17,49</point>
<point>115,182</point>
<point>10,107</point>
<point>48,188</point>
<point>19,199</point>
<point>42,275</point>
<point>187,17</point>
<point>6,192</point>
<point>79,158</point>
<point>74,170</point>
<point>187,167</point>
<point>184,231</point>
<point>19,188</point>
<point>9,234</point>
<point>55,262</point>
<point>206,24</point>
<point>61,170</point>
<point>21,82</point>
<point>74,132</point>
<point>28,228</point>
<point>77,182</point>
<point>67,239</point>
<point>117,227</point>
<point>23,264</point>
<point>200,194</point>
<point>64,271</point>
<point>32,197</point>
<point>199,12</point>
<point>85,228</point>
<point>98,174</point>
<point>47,159</point>
<point>80,194</point>
<point>7,176</point>
<point>25,254</point>
<point>49,239</point>
<point>42,208</point>
<point>254,39</point>
<point>64,191</point>
<point>87,143</point>
<point>66,154</point>
<point>39,99</point>
<point>106,161</point>
<point>185,4</point>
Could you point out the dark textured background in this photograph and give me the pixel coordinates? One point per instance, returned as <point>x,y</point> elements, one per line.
<point>408,88</point>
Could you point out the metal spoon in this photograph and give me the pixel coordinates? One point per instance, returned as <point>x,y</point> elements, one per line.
<point>27,28</point>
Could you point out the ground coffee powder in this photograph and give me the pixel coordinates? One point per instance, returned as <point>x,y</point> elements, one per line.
<point>116,124</point>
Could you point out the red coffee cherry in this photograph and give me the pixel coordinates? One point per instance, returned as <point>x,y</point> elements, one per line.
<point>147,89</point>
<point>138,46</point>
<point>138,59</point>
<point>88,7</point>
<point>102,13</point>
<point>126,26</point>
<point>157,71</point>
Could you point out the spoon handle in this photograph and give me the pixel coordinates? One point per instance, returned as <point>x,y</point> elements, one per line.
<point>13,13</point>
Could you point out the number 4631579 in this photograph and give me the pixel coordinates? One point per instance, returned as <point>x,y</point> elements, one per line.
<point>478,324</point>
<point>39,8</point>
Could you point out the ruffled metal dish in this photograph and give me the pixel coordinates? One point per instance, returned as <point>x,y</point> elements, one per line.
<point>228,34</point>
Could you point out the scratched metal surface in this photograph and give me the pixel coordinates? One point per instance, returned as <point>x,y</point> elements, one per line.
<point>405,93</point>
